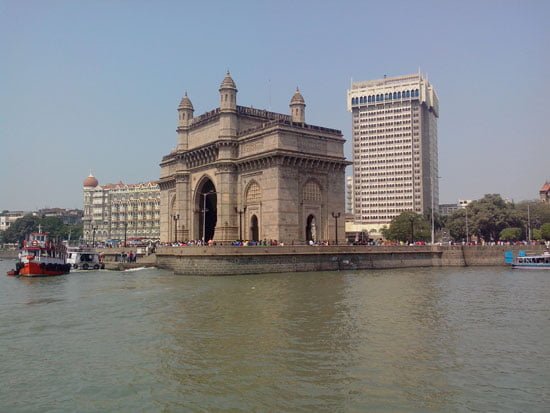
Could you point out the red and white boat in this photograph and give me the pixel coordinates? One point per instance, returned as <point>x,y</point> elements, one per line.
<point>40,257</point>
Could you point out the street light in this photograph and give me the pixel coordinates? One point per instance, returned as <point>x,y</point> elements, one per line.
<point>467,235</point>
<point>205,194</point>
<point>412,229</point>
<point>240,212</point>
<point>93,235</point>
<point>433,207</point>
<point>336,215</point>
<point>176,217</point>
<point>125,230</point>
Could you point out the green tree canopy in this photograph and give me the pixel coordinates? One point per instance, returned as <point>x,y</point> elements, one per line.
<point>545,231</point>
<point>539,212</point>
<point>486,218</point>
<point>20,229</point>
<point>511,234</point>
<point>408,226</point>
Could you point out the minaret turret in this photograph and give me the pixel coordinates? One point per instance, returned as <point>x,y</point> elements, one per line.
<point>185,112</point>
<point>298,107</point>
<point>228,94</point>
<point>228,110</point>
<point>185,117</point>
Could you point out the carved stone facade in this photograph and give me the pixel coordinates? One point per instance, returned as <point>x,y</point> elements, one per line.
<point>244,173</point>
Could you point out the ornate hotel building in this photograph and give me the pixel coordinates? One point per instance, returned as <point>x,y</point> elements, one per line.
<point>395,160</point>
<point>120,211</point>
<point>244,173</point>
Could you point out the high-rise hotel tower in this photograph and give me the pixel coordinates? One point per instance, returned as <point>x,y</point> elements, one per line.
<point>394,148</point>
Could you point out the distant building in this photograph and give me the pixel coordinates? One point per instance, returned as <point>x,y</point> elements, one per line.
<point>544,193</point>
<point>463,203</point>
<point>68,216</point>
<point>7,218</point>
<point>395,154</point>
<point>448,209</point>
<point>120,211</point>
<point>240,172</point>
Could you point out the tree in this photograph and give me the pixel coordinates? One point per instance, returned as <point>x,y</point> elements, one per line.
<point>545,231</point>
<point>20,228</point>
<point>456,224</point>
<point>537,234</point>
<point>408,226</point>
<point>539,212</point>
<point>511,234</point>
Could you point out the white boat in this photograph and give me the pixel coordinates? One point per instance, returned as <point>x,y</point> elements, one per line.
<point>533,262</point>
<point>84,259</point>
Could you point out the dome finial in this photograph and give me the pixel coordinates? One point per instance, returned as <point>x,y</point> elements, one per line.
<point>186,102</point>
<point>228,82</point>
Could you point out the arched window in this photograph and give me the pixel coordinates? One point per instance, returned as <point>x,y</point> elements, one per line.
<point>408,93</point>
<point>312,192</point>
<point>416,92</point>
<point>395,95</point>
<point>398,95</point>
<point>253,194</point>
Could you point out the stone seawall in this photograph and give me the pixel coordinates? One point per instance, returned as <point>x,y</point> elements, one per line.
<point>259,260</point>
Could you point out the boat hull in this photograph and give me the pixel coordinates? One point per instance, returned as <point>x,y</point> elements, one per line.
<point>531,266</point>
<point>35,269</point>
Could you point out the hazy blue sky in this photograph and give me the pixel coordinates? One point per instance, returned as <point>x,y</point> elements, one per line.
<point>94,85</point>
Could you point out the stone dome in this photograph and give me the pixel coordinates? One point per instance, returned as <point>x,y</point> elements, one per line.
<point>228,82</point>
<point>297,98</point>
<point>90,182</point>
<point>186,103</point>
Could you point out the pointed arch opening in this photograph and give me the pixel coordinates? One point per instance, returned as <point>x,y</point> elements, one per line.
<point>206,206</point>
<point>254,228</point>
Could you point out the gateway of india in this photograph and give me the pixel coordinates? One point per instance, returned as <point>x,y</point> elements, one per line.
<point>250,174</point>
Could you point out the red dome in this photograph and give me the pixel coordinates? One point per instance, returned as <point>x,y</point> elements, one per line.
<point>90,182</point>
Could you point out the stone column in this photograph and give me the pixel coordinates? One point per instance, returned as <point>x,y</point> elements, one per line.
<point>227,226</point>
<point>182,206</point>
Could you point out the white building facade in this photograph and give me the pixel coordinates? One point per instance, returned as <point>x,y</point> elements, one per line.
<point>120,211</point>
<point>395,148</point>
<point>349,195</point>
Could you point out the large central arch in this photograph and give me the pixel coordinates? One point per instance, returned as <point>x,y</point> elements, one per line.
<point>206,203</point>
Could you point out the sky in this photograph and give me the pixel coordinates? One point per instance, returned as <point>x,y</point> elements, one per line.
<point>93,86</point>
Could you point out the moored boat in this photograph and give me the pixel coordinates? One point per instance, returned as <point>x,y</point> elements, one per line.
<point>533,262</point>
<point>40,257</point>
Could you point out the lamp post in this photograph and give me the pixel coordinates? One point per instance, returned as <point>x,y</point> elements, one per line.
<point>240,212</point>
<point>467,235</point>
<point>412,229</point>
<point>433,207</point>
<point>125,230</point>
<point>336,215</point>
<point>176,217</point>
<point>528,223</point>
<point>205,194</point>
<point>93,235</point>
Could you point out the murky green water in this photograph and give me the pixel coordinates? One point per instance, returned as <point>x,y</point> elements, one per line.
<point>445,340</point>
